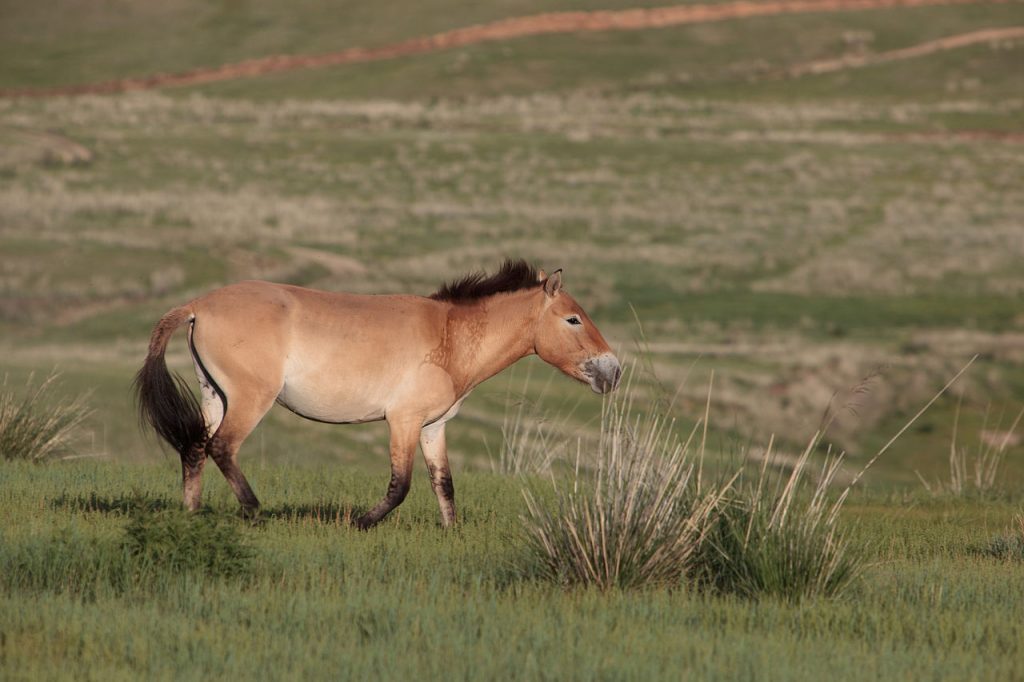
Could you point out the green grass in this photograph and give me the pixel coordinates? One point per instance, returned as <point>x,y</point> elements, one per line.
<point>325,601</point>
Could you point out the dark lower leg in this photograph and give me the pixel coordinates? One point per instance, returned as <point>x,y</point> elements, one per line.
<point>223,453</point>
<point>192,476</point>
<point>398,488</point>
<point>441,481</point>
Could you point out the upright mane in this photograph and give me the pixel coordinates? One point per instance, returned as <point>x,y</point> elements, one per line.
<point>513,275</point>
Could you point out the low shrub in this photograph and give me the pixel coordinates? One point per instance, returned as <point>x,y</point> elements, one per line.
<point>176,541</point>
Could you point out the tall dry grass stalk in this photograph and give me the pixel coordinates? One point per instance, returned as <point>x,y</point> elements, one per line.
<point>37,426</point>
<point>531,440</point>
<point>976,472</point>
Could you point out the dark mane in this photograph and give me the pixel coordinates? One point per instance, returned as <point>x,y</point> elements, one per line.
<point>513,275</point>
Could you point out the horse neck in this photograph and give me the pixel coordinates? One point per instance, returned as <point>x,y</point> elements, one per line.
<point>489,336</point>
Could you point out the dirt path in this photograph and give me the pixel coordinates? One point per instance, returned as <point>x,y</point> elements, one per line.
<point>505,29</point>
<point>992,35</point>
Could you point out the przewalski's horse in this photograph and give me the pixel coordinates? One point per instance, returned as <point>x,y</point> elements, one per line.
<point>347,359</point>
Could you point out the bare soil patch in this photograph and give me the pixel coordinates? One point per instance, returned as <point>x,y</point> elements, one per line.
<point>961,40</point>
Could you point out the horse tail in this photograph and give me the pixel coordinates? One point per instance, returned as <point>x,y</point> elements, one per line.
<point>166,403</point>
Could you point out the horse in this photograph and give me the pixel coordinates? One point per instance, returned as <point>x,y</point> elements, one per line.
<point>350,358</point>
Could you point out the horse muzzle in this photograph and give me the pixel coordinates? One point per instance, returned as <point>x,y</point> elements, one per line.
<point>603,372</point>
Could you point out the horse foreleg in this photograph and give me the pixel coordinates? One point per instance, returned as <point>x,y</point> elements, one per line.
<point>435,453</point>
<point>404,435</point>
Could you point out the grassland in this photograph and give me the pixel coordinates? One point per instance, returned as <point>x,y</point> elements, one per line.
<point>790,247</point>
<point>792,235</point>
<point>322,601</point>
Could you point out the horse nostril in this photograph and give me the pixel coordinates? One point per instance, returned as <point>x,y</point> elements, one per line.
<point>604,373</point>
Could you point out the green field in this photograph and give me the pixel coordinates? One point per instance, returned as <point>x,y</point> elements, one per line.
<point>789,235</point>
<point>323,601</point>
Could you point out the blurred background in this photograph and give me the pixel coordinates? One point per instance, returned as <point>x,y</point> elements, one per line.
<point>823,205</point>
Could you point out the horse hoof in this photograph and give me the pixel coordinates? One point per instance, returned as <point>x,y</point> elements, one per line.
<point>363,523</point>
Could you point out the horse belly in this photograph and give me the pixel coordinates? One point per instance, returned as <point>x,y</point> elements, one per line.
<point>359,364</point>
<point>338,405</point>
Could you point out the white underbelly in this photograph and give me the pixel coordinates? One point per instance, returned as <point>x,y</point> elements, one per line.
<point>336,407</point>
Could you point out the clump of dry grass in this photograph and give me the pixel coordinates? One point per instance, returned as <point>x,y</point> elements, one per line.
<point>780,536</point>
<point>978,472</point>
<point>37,426</point>
<point>636,518</point>
<point>643,514</point>
<point>1009,546</point>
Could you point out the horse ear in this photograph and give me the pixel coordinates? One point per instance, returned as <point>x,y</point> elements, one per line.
<point>541,275</point>
<point>553,284</point>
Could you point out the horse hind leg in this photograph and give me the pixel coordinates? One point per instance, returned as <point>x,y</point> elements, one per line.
<point>232,407</point>
<point>192,462</point>
<point>240,418</point>
<point>224,451</point>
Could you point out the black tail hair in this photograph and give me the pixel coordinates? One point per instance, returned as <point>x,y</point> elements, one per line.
<point>165,401</point>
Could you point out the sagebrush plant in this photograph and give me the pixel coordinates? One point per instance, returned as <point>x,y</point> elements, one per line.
<point>634,516</point>
<point>37,425</point>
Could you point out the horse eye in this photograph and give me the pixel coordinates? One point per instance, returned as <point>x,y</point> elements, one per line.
<point>573,320</point>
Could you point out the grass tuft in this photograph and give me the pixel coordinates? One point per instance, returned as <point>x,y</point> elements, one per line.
<point>979,472</point>
<point>779,536</point>
<point>531,441</point>
<point>643,515</point>
<point>636,518</point>
<point>1010,546</point>
<point>37,426</point>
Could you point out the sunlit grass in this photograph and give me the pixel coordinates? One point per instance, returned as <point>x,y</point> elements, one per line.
<point>322,598</point>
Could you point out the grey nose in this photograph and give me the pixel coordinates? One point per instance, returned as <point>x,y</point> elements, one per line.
<point>604,372</point>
